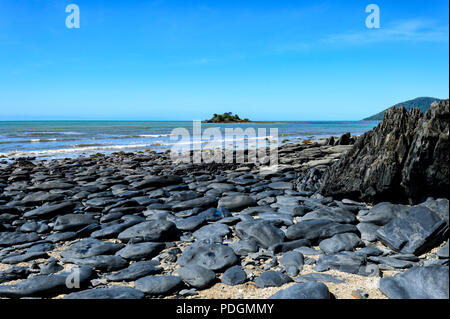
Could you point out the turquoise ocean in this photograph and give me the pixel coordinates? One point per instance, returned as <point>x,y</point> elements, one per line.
<point>59,139</point>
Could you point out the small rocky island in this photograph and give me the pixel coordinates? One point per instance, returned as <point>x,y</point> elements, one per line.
<point>226,117</point>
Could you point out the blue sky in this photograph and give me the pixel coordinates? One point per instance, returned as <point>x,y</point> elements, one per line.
<point>184,60</point>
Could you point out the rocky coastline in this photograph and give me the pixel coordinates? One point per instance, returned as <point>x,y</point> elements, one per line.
<point>139,226</point>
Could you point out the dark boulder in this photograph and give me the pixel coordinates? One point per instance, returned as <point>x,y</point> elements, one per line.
<point>405,158</point>
<point>234,276</point>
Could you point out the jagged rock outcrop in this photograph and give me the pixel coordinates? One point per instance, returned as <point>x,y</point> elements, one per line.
<point>404,159</point>
<point>426,171</point>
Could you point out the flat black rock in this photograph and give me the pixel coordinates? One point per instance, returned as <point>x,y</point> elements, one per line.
<point>90,247</point>
<point>73,222</point>
<point>158,285</point>
<point>308,290</point>
<point>50,210</point>
<point>318,229</point>
<point>14,273</point>
<point>263,232</point>
<point>236,202</point>
<point>15,238</point>
<point>135,271</point>
<point>350,263</point>
<point>100,262</point>
<point>272,279</point>
<point>154,230</point>
<point>212,256</point>
<point>145,250</point>
<point>107,293</point>
<point>47,285</point>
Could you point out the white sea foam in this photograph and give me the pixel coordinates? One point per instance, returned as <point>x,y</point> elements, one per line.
<point>38,140</point>
<point>77,150</point>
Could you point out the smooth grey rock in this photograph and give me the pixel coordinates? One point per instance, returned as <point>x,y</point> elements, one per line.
<point>319,277</point>
<point>370,251</point>
<point>196,276</point>
<point>90,247</point>
<point>212,231</point>
<point>263,232</point>
<point>202,202</point>
<point>15,238</point>
<point>50,210</point>
<point>309,251</point>
<point>234,276</point>
<point>135,271</point>
<point>158,285</point>
<point>350,263</point>
<point>50,268</point>
<point>14,273</point>
<point>340,242</point>
<point>368,231</point>
<point>244,247</point>
<point>392,262</point>
<point>46,285</point>
<point>141,250</point>
<point>116,292</point>
<point>383,213</point>
<point>24,257</point>
<point>281,185</point>
<point>338,215</point>
<point>308,290</point>
<point>212,256</point>
<point>157,181</point>
<point>101,262</point>
<point>236,202</point>
<point>430,282</point>
<point>293,262</point>
<point>443,251</point>
<point>190,223</point>
<point>155,230</point>
<point>290,245</point>
<point>318,229</point>
<point>73,221</point>
<point>272,279</point>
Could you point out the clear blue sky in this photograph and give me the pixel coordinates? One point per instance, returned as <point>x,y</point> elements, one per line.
<point>184,60</point>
